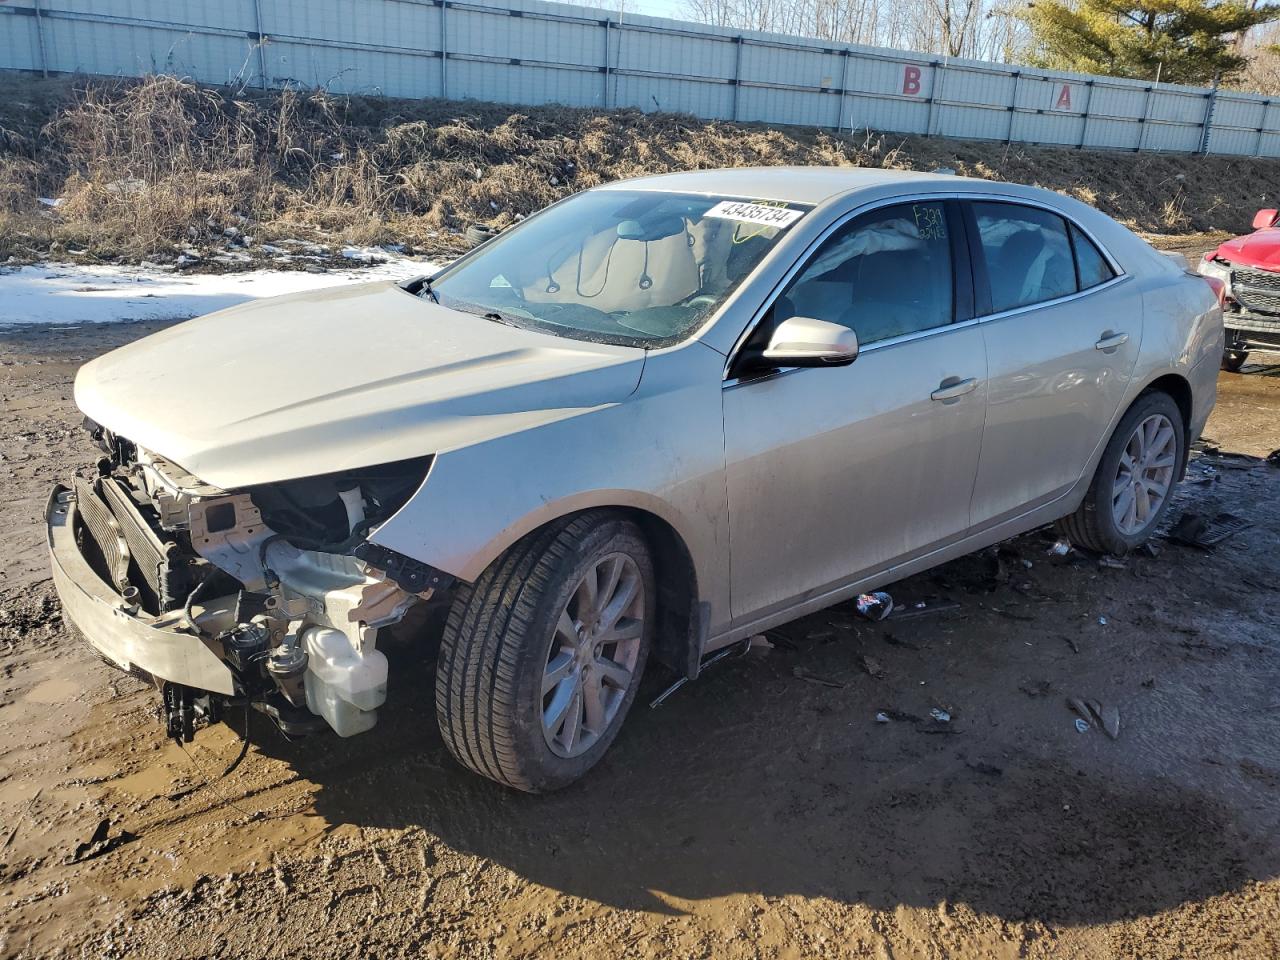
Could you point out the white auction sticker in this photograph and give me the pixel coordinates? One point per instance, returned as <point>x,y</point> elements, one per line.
<point>761,213</point>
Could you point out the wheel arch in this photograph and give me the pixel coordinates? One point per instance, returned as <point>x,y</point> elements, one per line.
<point>1178,388</point>
<point>682,615</point>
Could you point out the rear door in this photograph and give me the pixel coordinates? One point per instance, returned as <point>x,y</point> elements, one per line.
<point>1062,336</point>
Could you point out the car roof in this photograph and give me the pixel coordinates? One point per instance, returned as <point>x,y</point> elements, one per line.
<point>790,184</point>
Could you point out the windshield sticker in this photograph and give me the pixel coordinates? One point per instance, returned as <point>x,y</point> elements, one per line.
<point>765,214</point>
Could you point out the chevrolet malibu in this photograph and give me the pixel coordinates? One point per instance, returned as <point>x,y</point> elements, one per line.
<point>653,420</point>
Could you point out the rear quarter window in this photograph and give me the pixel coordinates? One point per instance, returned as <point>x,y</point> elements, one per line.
<point>1091,266</point>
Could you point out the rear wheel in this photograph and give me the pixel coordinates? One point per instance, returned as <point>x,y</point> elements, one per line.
<point>1135,479</point>
<point>542,656</point>
<point>1233,360</point>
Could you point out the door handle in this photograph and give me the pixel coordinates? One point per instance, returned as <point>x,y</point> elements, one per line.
<point>954,388</point>
<point>1111,341</point>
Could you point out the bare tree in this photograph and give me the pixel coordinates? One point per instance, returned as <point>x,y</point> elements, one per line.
<point>953,28</point>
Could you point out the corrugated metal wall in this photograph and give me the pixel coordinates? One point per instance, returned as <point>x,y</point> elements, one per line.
<point>527,51</point>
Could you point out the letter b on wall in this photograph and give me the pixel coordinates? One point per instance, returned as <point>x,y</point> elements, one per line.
<point>911,81</point>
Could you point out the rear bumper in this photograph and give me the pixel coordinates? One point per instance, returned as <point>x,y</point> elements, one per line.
<point>158,646</point>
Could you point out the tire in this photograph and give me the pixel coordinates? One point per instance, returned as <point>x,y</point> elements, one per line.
<point>502,633</point>
<point>1095,525</point>
<point>1233,360</point>
<point>479,233</point>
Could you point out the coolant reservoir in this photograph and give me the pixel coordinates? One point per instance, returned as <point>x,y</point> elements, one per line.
<point>344,686</point>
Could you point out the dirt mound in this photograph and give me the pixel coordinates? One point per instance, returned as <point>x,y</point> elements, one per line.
<point>134,169</point>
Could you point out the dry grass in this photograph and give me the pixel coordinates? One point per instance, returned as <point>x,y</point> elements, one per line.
<point>148,167</point>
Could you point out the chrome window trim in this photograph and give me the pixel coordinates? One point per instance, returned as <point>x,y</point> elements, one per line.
<point>873,205</point>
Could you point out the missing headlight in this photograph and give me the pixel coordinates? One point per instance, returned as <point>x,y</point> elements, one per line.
<point>316,513</point>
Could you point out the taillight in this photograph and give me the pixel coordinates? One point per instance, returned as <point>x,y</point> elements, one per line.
<point>1219,289</point>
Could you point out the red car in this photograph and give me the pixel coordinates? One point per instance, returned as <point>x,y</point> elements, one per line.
<point>1250,268</point>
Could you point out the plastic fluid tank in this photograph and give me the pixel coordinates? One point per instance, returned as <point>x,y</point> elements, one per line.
<point>344,686</point>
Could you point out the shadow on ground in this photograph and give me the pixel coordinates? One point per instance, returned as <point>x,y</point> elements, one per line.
<point>752,781</point>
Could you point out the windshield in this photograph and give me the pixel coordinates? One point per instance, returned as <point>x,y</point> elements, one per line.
<point>640,268</point>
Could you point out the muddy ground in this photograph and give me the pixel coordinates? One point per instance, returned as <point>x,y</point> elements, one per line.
<point>761,811</point>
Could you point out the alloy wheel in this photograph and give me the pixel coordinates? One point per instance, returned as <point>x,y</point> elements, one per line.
<point>1145,474</point>
<point>593,655</point>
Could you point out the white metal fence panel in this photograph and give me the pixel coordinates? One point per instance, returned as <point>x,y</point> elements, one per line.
<point>535,52</point>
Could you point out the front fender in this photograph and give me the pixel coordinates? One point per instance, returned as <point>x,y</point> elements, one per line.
<point>660,451</point>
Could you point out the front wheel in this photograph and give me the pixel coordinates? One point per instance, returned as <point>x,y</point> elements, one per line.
<point>1135,479</point>
<point>542,656</point>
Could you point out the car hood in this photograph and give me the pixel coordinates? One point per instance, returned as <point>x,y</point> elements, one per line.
<point>1260,249</point>
<point>331,380</point>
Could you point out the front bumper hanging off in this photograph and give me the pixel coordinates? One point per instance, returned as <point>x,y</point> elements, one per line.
<point>162,647</point>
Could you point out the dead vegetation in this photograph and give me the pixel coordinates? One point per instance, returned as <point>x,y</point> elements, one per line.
<point>145,169</point>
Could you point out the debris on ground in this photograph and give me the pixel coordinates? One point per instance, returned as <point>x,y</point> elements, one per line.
<point>1195,530</point>
<point>800,673</point>
<point>874,606</point>
<point>924,609</point>
<point>897,716</point>
<point>872,667</point>
<point>100,842</point>
<point>741,648</point>
<point>760,644</point>
<point>942,716</point>
<point>1090,712</point>
<point>1111,562</point>
<point>1060,548</point>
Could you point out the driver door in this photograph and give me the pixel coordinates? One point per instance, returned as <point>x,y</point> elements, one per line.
<point>836,474</point>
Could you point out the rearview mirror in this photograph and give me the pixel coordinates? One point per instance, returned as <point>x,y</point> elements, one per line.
<point>1264,218</point>
<point>807,342</point>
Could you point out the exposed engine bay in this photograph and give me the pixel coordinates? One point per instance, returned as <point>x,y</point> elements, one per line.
<point>279,580</point>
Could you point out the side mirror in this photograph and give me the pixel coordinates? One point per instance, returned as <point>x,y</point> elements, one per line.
<point>806,342</point>
<point>1265,218</point>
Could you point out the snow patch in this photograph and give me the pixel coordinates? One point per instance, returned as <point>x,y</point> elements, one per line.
<point>71,293</point>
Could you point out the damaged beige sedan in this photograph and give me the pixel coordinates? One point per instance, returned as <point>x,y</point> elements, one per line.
<point>645,424</point>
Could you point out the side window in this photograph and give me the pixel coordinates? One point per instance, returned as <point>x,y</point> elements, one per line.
<point>1027,252</point>
<point>884,274</point>
<point>1091,267</point>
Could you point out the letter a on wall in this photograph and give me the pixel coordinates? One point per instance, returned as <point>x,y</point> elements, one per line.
<point>1064,98</point>
<point>910,81</point>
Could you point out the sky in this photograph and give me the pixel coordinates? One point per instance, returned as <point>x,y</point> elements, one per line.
<point>655,8</point>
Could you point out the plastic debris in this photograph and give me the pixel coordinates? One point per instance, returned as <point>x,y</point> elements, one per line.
<point>1102,621</point>
<point>760,644</point>
<point>882,717</point>
<point>1195,530</point>
<point>737,649</point>
<point>1060,548</point>
<point>874,606</point>
<point>1113,562</point>
<point>1082,726</point>
<point>942,716</point>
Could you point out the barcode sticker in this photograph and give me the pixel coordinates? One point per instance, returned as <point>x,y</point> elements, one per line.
<point>761,213</point>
